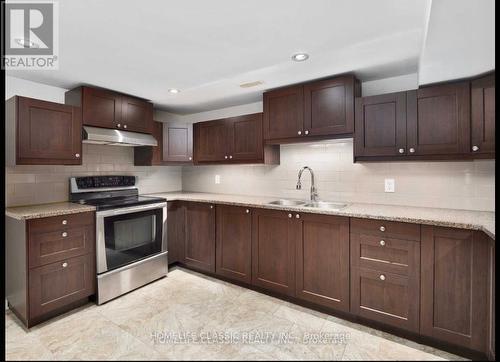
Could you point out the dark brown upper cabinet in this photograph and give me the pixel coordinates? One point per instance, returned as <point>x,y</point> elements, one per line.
<point>108,109</point>
<point>311,111</point>
<point>42,133</point>
<point>233,140</point>
<point>438,120</point>
<point>483,114</point>
<point>175,145</point>
<point>381,125</point>
<point>448,121</point>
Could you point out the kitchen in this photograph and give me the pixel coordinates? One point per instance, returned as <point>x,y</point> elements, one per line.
<point>258,188</point>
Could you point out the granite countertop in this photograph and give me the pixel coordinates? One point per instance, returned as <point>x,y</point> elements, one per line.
<point>464,219</point>
<point>46,210</point>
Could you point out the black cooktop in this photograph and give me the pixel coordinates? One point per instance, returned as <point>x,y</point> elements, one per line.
<point>119,202</point>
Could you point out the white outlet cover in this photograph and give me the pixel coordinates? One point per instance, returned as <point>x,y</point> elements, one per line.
<point>390,185</point>
<point>217,179</point>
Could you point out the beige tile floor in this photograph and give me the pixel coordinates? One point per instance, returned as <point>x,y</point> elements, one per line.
<point>187,305</point>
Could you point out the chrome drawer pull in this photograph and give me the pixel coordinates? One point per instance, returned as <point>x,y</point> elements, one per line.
<point>382,277</point>
<point>382,228</point>
<point>382,242</point>
<point>247,211</point>
<point>65,222</point>
<point>64,265</point>
<point>64,234</point>
<point>297,216</point>
<point>289,216</point>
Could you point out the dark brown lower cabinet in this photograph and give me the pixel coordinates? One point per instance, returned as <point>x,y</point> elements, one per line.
<point>234,243</point>
<point>454,286</point>
<point>199,233</point>
<point>274,236</point>
<point>175,231</point>
<point>491,306</point>
<point>385,273</point>
<point>322,263</point>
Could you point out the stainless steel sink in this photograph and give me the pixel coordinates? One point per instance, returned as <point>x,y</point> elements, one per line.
<point>326,205</point>
<point>284,202</point>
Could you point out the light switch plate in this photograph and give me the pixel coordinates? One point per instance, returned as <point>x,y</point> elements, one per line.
<point>390,185</point>
<point>217,179</point>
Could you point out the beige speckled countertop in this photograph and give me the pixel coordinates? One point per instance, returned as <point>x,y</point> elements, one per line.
<point>46,210</point>
<point>465,219</point>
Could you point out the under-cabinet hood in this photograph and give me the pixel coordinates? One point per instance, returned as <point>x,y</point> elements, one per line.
<point>114,137</point>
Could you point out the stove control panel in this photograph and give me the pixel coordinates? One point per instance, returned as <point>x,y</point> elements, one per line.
<point>97,182</point>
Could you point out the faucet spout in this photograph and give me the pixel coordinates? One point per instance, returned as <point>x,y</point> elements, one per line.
<point>314,192</point>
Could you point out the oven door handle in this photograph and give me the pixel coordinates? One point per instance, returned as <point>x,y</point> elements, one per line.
<point>128,210</point>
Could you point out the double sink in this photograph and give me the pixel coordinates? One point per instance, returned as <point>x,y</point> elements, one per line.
<point>325,205</point>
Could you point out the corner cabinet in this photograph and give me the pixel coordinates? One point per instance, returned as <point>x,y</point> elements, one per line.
<point>42,133</point>
<point>311,111</point>
<point>108,109</point>
<point>233,140</point>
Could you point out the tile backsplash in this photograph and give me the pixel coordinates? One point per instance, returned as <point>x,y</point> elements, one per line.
<point>459,185</point>
<point>43,184</point>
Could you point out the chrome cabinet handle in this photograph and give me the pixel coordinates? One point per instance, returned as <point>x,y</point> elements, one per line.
<point>289,216</point>
<point>475,148</point>
<point>119,125</point>
<point>401,150</point>
<point>230,156</point>
<point>190,158</point>
<point>382,277</point>
<point>299,133</point>
<point>124,126</point>
<point>65,222</point>
<point>306,131</point>
<point>211,206</point>
<point>382,228</point>
<point>64,234</point>
<point>412,150</point>
<point>297,216</point>
<point>247,211</point>
<point>77,155</point>
<point>382,242</point>
<point>225,157</point>
<point>64,265</point>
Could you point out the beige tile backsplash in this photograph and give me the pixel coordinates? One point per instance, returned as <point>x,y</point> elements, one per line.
<point>43,184</point>
<point>459,185</point>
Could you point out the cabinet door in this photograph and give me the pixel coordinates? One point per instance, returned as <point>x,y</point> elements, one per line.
<point>137,115</point>
<point>245,138</point>
<point>175,231</point>
<point>210,141</point>
<point>323,261</point>
<point>438,120</point>
<point>274,237</point>
<point>454,281</point>
<point>284,113</point>
<point>199,229</point>
<point>177,142</point>
<point>381,125</point>
<point>48,133</point>
<point>101,108</point>
<point>234,242</point>
<point>483,114</point>
<point>329,107</point>
<point>491,299</point>
<point>55,285</point>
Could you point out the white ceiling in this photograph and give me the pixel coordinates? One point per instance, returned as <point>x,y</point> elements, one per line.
<point>207,48</point>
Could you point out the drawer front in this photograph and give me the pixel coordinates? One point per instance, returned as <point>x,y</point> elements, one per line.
<point>63,222</point>
<point>384,228</point>
<point>55,285</point>
<point>52,246</point>
<point>385,297</point>
<point>392,255</point>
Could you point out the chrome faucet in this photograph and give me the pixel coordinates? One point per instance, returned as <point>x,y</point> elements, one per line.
<point>314,192</point>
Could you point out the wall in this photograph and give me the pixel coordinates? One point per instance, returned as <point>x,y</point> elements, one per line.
<point>461,185</point>
<point>43,184</point>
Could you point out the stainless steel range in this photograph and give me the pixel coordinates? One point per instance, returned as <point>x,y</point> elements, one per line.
<point>131,244</point>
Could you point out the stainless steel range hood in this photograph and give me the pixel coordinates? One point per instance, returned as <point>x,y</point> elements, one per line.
<point>114,137</point>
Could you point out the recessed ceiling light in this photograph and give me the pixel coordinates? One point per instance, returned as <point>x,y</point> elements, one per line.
<point>300,57</point>
<point>26,43</point>
<point>173,91</point>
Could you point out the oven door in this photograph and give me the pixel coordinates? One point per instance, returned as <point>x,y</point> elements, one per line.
<point>130,234</point>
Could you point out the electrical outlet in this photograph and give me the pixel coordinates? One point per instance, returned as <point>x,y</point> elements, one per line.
<point>217,179</point>
<point>390,185</point>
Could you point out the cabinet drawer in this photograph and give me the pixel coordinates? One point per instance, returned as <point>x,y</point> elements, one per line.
<point>384,228</point>
<point>51,246</point>
<point>55,285</point>
<point>385,297</point>
<point>391,255</point>
<point>63,222</point>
